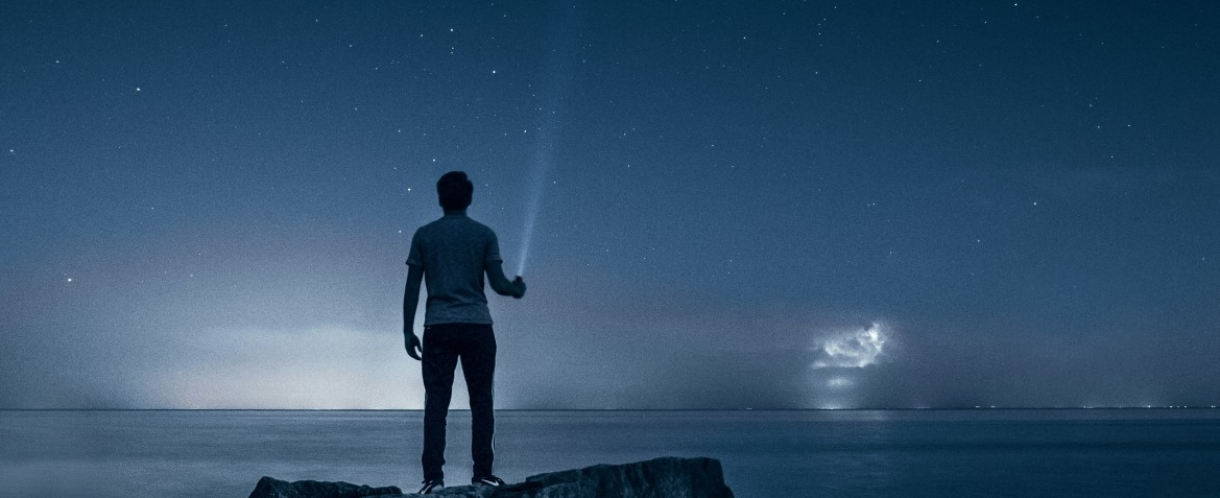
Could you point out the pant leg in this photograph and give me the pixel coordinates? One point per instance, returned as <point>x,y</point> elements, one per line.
<point>439,359</point>
<point>479,367</point>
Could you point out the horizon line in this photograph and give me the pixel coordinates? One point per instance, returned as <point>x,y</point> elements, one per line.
<point>947,408</point>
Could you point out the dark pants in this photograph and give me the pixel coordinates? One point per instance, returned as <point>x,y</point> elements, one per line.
<point>475,345</point>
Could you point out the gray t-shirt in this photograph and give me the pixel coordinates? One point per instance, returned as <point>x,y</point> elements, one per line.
<point>452,251</point>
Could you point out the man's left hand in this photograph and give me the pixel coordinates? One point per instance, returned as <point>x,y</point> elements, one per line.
<point>414,347</point>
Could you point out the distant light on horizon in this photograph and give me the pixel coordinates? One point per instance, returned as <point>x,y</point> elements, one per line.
<point>314,368</point>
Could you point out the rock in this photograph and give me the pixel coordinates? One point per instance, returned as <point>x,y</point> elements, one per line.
<point>274,488</point>
<point>467,491</point>
<point>667,477</point>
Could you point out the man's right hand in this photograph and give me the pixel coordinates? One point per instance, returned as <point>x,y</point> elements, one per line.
<point>520,284</point>
<point>414,347</point>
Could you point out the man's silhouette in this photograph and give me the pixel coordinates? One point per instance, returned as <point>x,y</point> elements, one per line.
<point>451,255</point>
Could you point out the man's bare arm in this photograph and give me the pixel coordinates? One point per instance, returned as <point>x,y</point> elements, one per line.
<point>410,301</point>
<point>500,283</point>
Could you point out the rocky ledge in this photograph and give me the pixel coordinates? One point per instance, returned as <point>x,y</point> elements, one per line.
<point>667,477</point>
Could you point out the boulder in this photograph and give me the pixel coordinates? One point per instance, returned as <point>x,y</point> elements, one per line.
<point>274,488</point>
<point>667,477</point>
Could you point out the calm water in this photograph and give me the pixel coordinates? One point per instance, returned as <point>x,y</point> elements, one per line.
<point>1053,453</point>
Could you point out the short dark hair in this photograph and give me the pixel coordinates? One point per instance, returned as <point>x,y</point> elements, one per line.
<point>454,191</point>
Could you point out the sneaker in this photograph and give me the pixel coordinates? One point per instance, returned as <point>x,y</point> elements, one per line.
<point>487,480</point>
<point>432,486</point>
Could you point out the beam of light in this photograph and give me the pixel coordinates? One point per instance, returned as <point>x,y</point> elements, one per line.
<point>561,57</point>
<point>533,203</point>
<point>857,348</point>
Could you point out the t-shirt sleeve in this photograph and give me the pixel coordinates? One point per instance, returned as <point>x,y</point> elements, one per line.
<point>493,249</point>
<point>416,256</point>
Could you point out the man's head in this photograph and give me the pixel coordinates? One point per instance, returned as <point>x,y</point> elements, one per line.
<point>454,191</point>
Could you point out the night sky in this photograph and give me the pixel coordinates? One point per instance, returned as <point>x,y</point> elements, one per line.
<point>738,204</point>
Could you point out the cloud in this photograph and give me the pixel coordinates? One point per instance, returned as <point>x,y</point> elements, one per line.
<point>855,348</point>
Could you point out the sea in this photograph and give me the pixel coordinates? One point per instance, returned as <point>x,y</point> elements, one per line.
<point>820,453</point>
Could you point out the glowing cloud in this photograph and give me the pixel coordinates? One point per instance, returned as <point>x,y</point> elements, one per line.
<point>857,348</point>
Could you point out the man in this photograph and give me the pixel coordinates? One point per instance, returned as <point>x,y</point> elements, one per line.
<point>452,254</point>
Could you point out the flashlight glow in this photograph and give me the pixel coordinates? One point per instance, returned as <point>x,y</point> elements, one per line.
<point>562,57</point>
